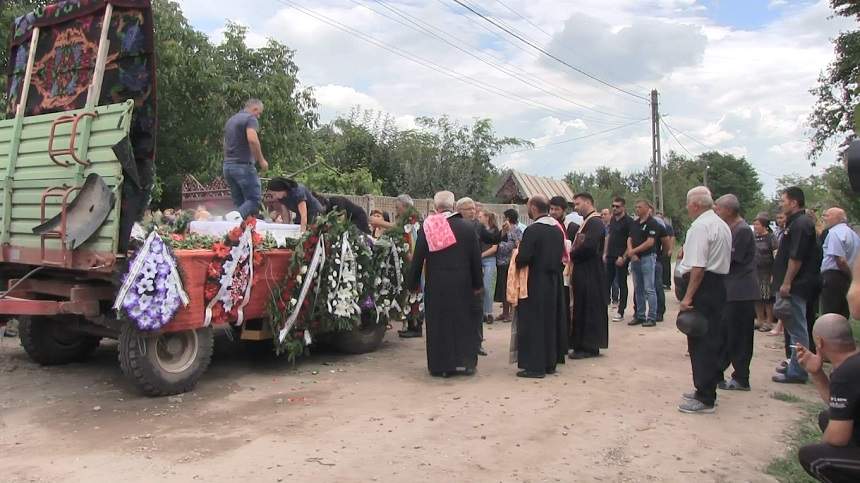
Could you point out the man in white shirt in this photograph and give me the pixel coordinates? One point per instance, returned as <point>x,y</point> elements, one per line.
<point>707,259</point>
<point>840,251</point>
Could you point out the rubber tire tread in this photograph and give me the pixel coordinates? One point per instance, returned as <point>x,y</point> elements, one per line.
<point>138,367</point>
<point>360,341</point>
<point>35,336</point>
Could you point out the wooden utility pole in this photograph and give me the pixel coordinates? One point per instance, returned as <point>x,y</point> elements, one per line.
<point>656,159</point>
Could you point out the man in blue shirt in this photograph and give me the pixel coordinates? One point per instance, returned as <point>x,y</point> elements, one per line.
<point>840,251</point>
<point>242,151</point>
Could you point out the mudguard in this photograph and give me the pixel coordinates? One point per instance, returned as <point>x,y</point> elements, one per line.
<point>85,214</point>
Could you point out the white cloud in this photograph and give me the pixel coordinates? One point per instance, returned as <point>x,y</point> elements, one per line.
<point>342,99</point>
<point>737,90</point>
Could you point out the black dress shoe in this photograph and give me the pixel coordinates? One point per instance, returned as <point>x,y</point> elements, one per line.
<point>469,371</point>
<point>635,322</point>
<point>582,355</point>
<point>649,323</point>
<point>442,374</point>
<point>488,319</point>
<point>409,334</point>
<point>550,370</point>
<point>531,375</point>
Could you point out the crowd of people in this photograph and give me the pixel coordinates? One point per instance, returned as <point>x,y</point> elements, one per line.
<point>557,277</point>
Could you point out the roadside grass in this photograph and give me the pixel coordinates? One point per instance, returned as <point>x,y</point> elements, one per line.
<point>786,468</point>
<point>785,397</point>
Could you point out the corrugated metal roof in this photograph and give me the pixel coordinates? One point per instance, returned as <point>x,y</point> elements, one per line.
<point>529,185</point>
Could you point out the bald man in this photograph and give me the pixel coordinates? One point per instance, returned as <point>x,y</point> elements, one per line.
<point>837,457</point>
<point>840,251</point>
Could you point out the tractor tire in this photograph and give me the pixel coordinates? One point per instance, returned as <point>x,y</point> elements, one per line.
<point>165,364</point>
<point>49,342</point>
<point>362,340</point>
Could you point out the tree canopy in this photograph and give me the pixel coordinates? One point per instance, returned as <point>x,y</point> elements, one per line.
<point>726,174</point>
<point>832,120</point>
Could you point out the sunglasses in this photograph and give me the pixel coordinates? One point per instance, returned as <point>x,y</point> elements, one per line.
<point>616,206</point>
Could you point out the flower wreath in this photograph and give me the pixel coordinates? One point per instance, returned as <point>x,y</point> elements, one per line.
<point>329,273</point>
<point>390,263</point>
<point>151,291</point>
<point>230,274</point>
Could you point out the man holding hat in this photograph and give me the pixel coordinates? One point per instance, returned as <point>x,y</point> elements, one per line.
<point>707,259</point>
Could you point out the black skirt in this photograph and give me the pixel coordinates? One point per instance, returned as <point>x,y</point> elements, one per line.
<point>501,294</point>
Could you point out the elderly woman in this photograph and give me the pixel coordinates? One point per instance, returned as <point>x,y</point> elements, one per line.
<point>766,245</point>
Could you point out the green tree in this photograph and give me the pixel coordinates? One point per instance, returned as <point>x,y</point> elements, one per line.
<point>829,189</point>
<point>832,118</point>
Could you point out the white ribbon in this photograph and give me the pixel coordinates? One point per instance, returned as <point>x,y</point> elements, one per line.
<point>315,268</point>
<point>246,239</point>
<point>347,256</point>
<point>137,266</point>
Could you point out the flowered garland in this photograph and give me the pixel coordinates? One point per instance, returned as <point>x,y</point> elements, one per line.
<point>230,274</point>
<point>411,304</point>
<point>390,260</point>
<point>151,291</point>
<point>334,285</point>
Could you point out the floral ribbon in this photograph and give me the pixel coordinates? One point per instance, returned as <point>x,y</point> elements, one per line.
<point>240,255</point>
<point>315,268</point>
<point>346,274</point>
<point>141,259</point>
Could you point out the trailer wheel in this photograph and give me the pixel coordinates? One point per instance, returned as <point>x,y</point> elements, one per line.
<point>49,341</point>
<point>361,340</point>
<point>165,364</point>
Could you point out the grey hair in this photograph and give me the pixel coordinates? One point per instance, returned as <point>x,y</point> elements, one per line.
<point>465,201</point>
<point>253,102</point>
<point>729,202</point>
<point>406,200</point>
<point>443,201</point>
<point>700,196</point>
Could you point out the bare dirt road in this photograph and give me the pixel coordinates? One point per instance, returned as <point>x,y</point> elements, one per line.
<point>381,417</point>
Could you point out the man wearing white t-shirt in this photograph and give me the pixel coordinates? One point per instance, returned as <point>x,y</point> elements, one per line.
<point>707,259</point>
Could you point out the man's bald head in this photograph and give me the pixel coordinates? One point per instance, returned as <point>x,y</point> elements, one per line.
<point>834,216</point>
<point>540,203</point>
<point>835,330</point>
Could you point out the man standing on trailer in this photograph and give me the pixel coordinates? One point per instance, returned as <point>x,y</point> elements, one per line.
<point>242,150</point>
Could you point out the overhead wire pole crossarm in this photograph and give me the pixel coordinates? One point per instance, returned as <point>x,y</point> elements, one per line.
<point>549,54</point>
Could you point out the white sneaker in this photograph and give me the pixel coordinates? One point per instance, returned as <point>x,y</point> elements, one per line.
<point>617,318</point>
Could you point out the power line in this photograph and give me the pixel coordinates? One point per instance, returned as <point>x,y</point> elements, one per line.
<point>500,2</point>
<point>550,55</point>
<point>685,134</point>
<point>579,138</point>
<point>420,61</point>
<point>422,26</point>
<point>676,137</point>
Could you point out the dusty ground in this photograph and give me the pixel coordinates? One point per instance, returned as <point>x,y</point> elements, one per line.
<point>381,417</point>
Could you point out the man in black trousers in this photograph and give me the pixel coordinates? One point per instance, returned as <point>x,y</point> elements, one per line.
<point>707,259</point>
<point>741,295</point>
<point>613,254</point>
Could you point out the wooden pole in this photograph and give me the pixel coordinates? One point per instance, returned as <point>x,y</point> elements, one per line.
<point>94,92</point>
<point>16,139</point>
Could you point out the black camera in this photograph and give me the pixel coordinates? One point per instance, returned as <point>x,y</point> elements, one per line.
<point>852,164</point>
